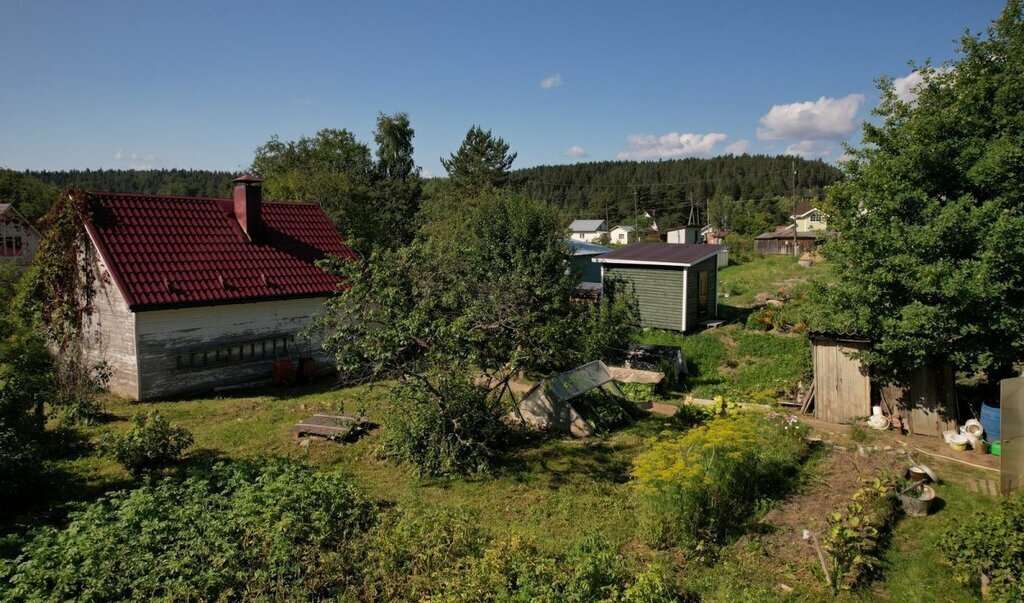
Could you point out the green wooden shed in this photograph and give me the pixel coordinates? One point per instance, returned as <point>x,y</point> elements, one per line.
<point>676,285</point>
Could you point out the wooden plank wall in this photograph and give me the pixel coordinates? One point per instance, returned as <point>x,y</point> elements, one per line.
<point>842,393</point>
<point>659,293</point>
<point>926,401</point>
<point>164,334</point>
<point>693,316</point>
<point>108,333</point>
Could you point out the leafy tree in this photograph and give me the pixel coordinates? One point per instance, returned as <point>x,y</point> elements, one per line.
<point>482,161</point>
<point>26,385</point>
<point>374,204</point>
<point>332,168</point>
<point>931,258</point>
<point>30,196</point>
<point>492,291</point>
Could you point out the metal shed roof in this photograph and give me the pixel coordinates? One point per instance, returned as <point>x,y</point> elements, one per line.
<point>660,254</point>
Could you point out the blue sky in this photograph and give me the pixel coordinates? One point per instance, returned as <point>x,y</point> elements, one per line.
<point>122,84</point>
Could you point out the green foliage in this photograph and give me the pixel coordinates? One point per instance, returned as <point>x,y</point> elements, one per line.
<point>854,539</point>
<point>607,326</point>
<point>762,319</point>
<point>691,415</point>
<point>445,425</point>
<point>741,248</point>
<point>931,258</point>
<point>481,162</point>
<point>513,570</point>
<point>373,204</point>
<point>26,385</point>
<point>604,411</point>
<point>697,489</point>
<point>30,196</point>
<point>990,543</point>
<point>192,183</point>
<point>150,444</point>
<point>638,392</point>
<point>265,531</point>
<point>746,193</point>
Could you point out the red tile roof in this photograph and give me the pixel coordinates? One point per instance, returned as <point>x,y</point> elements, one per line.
<point>166,251</point>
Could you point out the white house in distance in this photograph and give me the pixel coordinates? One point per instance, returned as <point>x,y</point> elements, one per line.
<point>19,239</point>
<point>587,231</point>
<point>195,294</point>
<point>622,235</point>
<point>808,218</point>
<point>683,235</point>
<point>653,218</point>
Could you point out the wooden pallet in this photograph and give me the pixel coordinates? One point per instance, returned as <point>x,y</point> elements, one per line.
<point>988,487</point>
<point>332,426</point>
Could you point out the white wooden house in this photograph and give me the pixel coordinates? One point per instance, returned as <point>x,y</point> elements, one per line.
<point>19,239</point>
<point>622,235</point>
<point>195,294</point>
<point>588,231</point>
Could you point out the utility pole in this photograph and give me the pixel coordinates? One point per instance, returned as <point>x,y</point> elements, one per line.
<point>636,216</point>
<point>796,251</point>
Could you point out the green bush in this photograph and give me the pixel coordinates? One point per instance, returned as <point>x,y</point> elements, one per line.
<point>697,489</point>
<point>151,443</point>
<point>638,392</point>
<point>762,319</point>
<point>236,532</point>
<point>742,248</point>
<point>991,543</point>
<point>447,427</point>
<point>854,539</point>
<point>513,570</point>
<point>26,384</point>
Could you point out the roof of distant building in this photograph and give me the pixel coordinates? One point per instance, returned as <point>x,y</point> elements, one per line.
<point>583,248</point>
<point>587,226</point>
<point>170,251</point>
<point>664,254</point>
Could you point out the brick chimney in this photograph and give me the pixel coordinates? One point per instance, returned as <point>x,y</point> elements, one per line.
<point>248,205</point>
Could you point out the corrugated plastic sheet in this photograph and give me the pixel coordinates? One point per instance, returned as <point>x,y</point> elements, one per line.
<point>185,251</point>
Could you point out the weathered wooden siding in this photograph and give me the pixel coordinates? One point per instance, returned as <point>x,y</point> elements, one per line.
<point>13,229</point>
<point>658,290</point>
<point>784,246</point>
<point>926,401</point>
<point>841,392</point>
<point>108,333</point>
<point>166,336</point>
<point>693,309</point>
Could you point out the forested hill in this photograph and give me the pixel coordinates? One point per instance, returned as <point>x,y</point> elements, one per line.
<point>193,183</point>
<point>590,190</point>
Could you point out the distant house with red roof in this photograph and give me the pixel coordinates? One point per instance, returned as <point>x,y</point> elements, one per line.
<point>19,239</point>
<point>195,294</point>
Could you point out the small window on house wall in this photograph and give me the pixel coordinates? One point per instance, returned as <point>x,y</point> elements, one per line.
<point>815,217</point>
<point>11,246</point>
<point>248,351</point>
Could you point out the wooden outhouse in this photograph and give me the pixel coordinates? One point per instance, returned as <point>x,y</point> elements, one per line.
<point>923,403</point>
<point>195,294</point>
<point>675,285</point>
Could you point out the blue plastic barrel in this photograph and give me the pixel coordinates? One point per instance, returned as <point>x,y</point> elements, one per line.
<point>990,421</point>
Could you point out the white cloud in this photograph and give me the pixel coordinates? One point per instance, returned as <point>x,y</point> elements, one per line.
<point>810,149</point>
<point>552,81</point>
<point>575,151</point>
<point>136,161</point>
<point>738,148</point>
<point>906,87</point>
<point>671,146</point>
<point>828,118</point>
<point>426,174</point>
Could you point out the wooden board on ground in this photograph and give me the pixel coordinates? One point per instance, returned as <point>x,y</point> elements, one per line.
<point>331,426</point>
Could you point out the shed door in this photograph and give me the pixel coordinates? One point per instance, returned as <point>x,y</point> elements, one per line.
<point>841,392</point>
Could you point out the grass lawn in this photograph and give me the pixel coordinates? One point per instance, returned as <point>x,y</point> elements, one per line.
<point>742,364</point>
<point>766,274</point>
<point>550,491</point>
